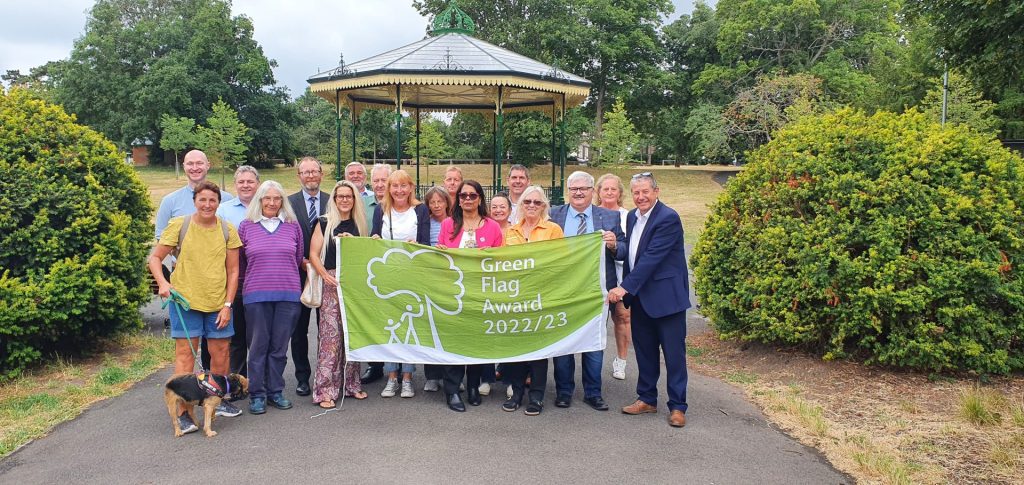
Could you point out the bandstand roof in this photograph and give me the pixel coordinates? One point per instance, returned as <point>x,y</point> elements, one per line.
<point>451,71</point>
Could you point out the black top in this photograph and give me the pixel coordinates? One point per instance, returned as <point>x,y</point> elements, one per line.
<point>349,226</point>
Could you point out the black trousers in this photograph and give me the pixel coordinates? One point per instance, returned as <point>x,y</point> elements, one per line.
<point>432,371</point>
<point>453,377</point>
<point>516,372</point>
<point>300,346</point>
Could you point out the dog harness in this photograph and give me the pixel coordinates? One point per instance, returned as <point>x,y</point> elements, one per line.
<point>208,384</point>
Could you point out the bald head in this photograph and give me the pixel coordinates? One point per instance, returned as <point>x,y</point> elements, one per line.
<point>196,166</point>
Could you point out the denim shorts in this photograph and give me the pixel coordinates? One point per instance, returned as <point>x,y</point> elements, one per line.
<point>200,324</point>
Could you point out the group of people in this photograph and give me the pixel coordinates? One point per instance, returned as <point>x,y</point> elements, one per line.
<point>240,264</point>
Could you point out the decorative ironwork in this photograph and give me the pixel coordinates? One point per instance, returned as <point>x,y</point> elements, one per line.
<point>449,63</point>
<point>554,73</point>
<point>453,20</point>
<point>341,70</point>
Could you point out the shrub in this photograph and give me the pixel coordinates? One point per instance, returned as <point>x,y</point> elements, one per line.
<point>74,229</point>
<point>882,237</point>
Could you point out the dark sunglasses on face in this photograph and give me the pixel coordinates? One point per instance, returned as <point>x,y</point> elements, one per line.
<point>469,196</point>
<point>537,203</point>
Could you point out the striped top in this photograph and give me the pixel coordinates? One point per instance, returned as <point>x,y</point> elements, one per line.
<point>269,262</point>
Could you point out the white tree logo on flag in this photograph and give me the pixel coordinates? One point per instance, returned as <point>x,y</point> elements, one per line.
<point>386,277</point>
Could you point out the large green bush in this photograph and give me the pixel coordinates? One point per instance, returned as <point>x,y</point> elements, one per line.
<point>884,237</point>
<point>74,228</point>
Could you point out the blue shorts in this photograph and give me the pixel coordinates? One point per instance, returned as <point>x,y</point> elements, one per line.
<point>200,324</point>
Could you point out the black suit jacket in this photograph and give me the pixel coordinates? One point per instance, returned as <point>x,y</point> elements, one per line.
<point>604,220</point>
<point>298,203</point>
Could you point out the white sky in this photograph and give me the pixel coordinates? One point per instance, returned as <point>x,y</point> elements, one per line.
<point>304,36</point>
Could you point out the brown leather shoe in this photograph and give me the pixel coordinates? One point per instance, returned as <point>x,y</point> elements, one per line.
<point>677,419</point>
<point>639,407</point>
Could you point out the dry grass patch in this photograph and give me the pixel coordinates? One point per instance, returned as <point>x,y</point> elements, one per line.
<point>878,425</point>
<point>30,406</point>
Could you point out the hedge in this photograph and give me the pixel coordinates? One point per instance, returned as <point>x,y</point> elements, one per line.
<point>885,238</point>
<point>74,232</point>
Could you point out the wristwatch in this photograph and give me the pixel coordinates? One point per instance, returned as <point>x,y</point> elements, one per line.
<point>227,304</point>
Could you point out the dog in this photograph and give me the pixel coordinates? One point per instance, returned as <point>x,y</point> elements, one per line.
<point>206,390</point>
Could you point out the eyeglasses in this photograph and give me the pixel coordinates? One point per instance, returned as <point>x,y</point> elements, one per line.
<point>579,189</point>
<point>344,197</point>
<point>310,173</point>
<point>643,175</point>
<point>469,196</point>
<point>537,203</point>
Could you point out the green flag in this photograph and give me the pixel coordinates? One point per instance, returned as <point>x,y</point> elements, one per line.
<point>404,302</point>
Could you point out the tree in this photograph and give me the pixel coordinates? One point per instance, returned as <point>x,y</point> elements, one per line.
<point>315,130</point>
<point>141,59</point>
<point>754,116</point>
<point>72,267</point>
<point>469,137</point>
<point>178,134</point>
<point>224,138</point>
<point>964,106</point>
<point>432,144</point>
<point>706,126</point>
<point>619,139</point>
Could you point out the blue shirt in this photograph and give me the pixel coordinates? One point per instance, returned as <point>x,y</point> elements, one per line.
<point>435,231</point>
<point>178,203</point>
<point>572,220</point>
<point>232,211</point>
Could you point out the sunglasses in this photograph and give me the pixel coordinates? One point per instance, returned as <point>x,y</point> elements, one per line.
<point>537,203</point>
<point>643,175</point>
<point>469,196</point>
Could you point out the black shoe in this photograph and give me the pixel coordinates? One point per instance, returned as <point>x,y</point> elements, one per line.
<point>511,404</point>
<point>302,389</point>
<point>596,402</point>
<point>371,374</point>
<point>455,403</point>
<point>534,408</point>
<point>563,401</point>
<point>473,396</point>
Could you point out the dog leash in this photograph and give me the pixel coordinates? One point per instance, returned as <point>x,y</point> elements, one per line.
<point>179,302</point>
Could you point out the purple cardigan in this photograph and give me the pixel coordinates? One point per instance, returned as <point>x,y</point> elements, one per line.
<point>488,236</point>
<point>269,262</point>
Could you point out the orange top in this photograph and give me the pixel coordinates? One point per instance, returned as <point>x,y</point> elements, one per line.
<point>543,231</point>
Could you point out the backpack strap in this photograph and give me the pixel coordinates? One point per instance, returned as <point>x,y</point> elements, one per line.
<point>184,229</point>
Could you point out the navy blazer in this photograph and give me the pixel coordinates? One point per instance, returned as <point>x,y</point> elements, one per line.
<point>422,223</point>
<point>604,220</point>
<point>298,203</point>
<point>659,280</point>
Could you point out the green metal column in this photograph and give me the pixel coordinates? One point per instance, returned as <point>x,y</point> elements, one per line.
<point>398,125</point>
<point>337,127</point>
<point>495,175</point>
<point>355,123</point>
<point>499,135</point>
<point>561,186</point>
<point>554,151</point>
<point>417,149</point>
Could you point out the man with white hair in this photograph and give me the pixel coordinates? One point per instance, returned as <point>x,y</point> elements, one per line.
<point>355,172</point>
<point>581,216</point>
<point>655,287</point>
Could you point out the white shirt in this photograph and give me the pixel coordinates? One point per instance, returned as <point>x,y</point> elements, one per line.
<point>403,228</point>
<point>638,232</point>
<point>270,223</point>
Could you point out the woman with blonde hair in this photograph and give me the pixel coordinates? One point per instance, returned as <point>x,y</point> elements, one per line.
<point>344,218</point>
<point>272,253</point>
<point>609,195</point>
<point>533,226</point>
<point>401,217</point>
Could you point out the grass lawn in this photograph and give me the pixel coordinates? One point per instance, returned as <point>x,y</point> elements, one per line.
<point>689,190</point>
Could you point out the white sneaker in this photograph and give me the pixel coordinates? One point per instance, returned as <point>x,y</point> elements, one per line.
<point>619,368</point>
<point>390,389</point>
<point>431,385</point>
<point>485,388</point>
<point>407,390</point>
<point>508,392</point>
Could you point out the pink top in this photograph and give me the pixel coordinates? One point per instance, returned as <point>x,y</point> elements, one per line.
<point>488,236</point>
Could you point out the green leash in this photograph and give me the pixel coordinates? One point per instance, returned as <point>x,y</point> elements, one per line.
<point>179,302</point>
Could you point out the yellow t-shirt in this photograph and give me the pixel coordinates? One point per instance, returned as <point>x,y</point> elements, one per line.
<point>200,274</point>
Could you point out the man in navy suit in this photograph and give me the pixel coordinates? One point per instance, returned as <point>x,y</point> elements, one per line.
<point>656,290</point>
<point>308,204</point>
<point>581,216</point>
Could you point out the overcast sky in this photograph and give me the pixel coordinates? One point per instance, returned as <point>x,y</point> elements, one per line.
<point>304,36</point>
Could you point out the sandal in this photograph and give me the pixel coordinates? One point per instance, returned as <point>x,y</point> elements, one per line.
<point>358,395</point>
<point>328,404</point>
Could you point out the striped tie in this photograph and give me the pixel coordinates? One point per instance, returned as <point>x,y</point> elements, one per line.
<point>313,213</point>
<point>582,228</point>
